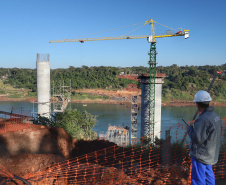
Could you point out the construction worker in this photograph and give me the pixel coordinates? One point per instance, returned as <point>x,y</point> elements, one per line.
<point>205,136</point>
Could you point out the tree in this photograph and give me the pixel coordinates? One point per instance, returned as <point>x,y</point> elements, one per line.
<point>41,120</point>
<point>78,124</point>
<point>185,78</point>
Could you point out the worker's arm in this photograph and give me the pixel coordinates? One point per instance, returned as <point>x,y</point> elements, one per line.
<point>199,132</point>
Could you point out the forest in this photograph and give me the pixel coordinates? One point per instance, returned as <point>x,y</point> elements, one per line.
<point>181,82</point>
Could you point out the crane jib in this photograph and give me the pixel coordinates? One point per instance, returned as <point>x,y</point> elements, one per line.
<point>116,38</point>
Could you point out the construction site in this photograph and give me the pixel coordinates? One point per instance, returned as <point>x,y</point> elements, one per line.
<point>36,154</point>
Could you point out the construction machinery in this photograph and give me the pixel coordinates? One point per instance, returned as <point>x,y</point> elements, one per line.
<point>152,63</point>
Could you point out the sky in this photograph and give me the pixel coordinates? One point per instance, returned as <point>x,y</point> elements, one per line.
<point>27,26</point>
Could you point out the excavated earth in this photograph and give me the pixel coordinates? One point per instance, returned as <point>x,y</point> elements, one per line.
<point>23,164</point>
<point>26,149</point>
<point>16,139</point>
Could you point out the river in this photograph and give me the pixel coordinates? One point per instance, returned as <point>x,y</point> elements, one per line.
<point>116,115</point>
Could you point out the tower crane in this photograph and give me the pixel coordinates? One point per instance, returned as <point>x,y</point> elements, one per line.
<point>152,62</point>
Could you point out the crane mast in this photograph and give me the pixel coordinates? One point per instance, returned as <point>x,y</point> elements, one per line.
<point>152,62</point>
<point>152,67</point>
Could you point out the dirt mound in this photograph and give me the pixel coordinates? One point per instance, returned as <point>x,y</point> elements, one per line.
<point>27,148</point>
<point>33,139</point>
<point>26,164</point>
<point>88,173</point>
<point>82,147</point>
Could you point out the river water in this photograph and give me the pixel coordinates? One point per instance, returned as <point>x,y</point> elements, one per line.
<point>115,115</point>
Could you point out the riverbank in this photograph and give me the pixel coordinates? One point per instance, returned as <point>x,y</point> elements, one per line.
<point>173,103</point>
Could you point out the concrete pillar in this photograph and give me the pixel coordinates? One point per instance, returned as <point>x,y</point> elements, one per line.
<point>43,85</point>
<point>145,92</point>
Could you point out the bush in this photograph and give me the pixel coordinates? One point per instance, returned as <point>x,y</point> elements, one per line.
<point>77,124</point>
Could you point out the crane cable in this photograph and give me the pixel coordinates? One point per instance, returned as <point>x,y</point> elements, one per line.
<point>111,30</point>
<point>166,26</point>
<point>135,29</point>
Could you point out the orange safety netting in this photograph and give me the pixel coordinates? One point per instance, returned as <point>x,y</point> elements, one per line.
<point>9,127</point>
<point>16,115</point>
<point>166,161</point>
<point>115,165</point>
<point>15,122</point>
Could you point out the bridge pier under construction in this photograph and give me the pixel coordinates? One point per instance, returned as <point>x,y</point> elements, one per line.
<point>145,101</point>
<point>43,85</point>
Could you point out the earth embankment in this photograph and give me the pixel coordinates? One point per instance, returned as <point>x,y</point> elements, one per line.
<point>114,97</point>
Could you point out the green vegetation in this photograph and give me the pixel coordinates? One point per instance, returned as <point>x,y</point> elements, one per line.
<point>2,91</point>
<point>124,82</point>
<point>85,77</point>
<point>181,83</point>
<point>4,86</point>
<point>31,94</point>
<point>77,124</point>
<point>15,95</point>
<point>12,92</point>
<point>20,78</point>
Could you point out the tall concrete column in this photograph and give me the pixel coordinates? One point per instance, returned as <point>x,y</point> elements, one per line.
<point>43,85</point>
<point>145,80</point>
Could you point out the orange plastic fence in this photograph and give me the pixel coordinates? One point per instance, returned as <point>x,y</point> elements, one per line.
<point>17,115</point>
<point>9,127</point>
<point>115,165</point>
<point>4,172</point>
<point>164,162</point>
<point>15,122</point>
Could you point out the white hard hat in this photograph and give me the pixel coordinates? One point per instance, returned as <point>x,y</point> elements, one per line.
<point>202,96</point>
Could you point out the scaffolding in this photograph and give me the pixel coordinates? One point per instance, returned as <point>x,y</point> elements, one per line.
<point>134,112</point>
<point>118,135</point>
<point>152,67</point>
<point>61,97</point>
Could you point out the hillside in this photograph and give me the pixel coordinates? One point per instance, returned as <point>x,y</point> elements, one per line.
<point>181,82</point>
